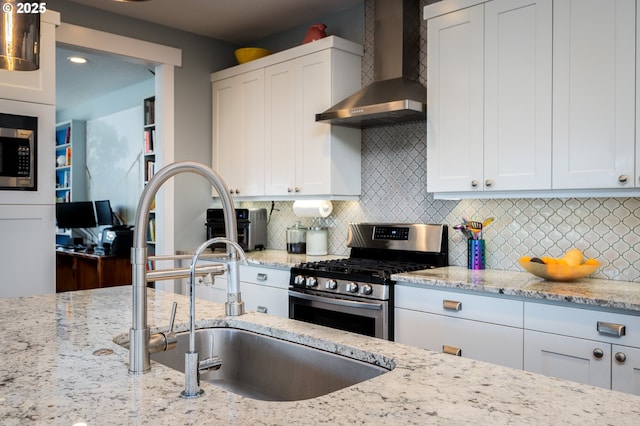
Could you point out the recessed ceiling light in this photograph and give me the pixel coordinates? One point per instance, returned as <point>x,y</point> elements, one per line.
<point>77,59</point>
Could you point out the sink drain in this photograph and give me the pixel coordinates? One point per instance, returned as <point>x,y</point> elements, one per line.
<point>104,351</point>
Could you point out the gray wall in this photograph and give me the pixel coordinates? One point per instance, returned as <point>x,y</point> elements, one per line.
<point>200,57</point>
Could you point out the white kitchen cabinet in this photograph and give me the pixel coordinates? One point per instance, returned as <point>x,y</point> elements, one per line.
<point>594,57</point>
<point>517,95</point>
<point>27,252</point>
<point>305,157</point>
<point>579,360</point>
<point>489,97</point>
<point>290,155</point>
<point>238,136</point>
<point>263,289</point>
<point>625,370</point>
<point>37,86</point>
<point>455,101</point>
<point>587,346</point>
<point>479,327</point>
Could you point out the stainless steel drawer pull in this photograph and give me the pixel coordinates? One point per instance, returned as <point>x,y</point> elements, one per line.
<point>452,305</point>
<point>261,277</point>
<point>451,350</point>
<point>611,329</point>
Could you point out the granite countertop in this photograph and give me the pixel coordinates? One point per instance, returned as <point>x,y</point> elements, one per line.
<point>60,365</point>
<point>595,292</point>
<point>272,258</point>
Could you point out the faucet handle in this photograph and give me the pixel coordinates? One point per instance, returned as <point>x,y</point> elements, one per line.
<point>172,317</point>
<point>170,336</point>
<point>164,341</point>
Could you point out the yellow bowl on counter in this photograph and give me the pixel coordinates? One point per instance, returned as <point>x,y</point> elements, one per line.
<point>247,54</point>
<point>558,271</point>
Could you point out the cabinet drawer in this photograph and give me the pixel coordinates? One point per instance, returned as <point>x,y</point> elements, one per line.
<point>568,358</point>
<point>460,305</point>
<point>265,276</point>
<point>265,299</point>
<point>492,343</point>
<point>583,323</point>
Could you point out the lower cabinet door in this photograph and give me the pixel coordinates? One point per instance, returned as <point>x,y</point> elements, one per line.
<point>261,298</point>
<point>487,342</point>
<point>625,370</point>
<point>580,360</point>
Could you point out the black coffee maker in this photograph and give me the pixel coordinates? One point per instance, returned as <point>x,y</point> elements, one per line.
<point>117,240</point>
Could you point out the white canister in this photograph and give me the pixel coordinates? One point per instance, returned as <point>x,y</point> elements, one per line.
<point>317,241</point>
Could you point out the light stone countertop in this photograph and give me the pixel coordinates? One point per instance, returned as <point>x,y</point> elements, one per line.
<point>594,292</point>
<point>51,374</point>
<point>273,258</point>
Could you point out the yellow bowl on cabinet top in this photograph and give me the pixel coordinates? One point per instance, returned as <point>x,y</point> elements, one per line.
<point>558,271</point>
<point>247,54</point>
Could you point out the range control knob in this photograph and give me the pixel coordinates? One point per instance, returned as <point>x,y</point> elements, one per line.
<point>366,289</point>
<point>312,282</point>
<point>299,280</point>
<point>331,285</point>
<point>352,287</point>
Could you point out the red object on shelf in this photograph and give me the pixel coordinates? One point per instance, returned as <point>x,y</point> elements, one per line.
<point>315,32</point>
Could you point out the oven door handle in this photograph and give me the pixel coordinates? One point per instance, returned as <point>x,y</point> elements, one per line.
<point>339,302</point>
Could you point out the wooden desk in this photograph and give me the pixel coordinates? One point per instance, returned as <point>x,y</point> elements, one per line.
<point>83,271</point>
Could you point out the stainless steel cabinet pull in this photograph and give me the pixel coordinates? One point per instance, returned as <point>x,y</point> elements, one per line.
<point>452,305</point>
<point>622,178</point>
<point>611,329</point>
<point>261,277</point>
<point>598,353</point>
<point>488,183</point>
<point>621,357</point>
<point>451,350</point>
<point>474,183</point>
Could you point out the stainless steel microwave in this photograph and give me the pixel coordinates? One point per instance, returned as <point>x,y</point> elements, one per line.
<point>18,145</point>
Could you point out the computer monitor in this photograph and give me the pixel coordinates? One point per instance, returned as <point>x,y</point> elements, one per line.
<point>77,214</point>
<point>104,213</point>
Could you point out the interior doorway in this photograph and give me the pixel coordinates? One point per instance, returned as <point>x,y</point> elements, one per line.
<point>161,60</point>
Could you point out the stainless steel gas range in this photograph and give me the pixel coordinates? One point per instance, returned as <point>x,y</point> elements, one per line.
<point>356,294</point>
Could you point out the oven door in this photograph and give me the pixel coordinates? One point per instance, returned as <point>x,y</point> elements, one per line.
<point>368,317</point>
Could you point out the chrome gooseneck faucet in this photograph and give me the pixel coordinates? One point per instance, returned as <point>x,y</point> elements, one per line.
<point>141,343</point>
<point>192,363</point>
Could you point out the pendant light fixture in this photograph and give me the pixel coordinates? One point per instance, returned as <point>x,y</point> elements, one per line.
<point>19,38</point>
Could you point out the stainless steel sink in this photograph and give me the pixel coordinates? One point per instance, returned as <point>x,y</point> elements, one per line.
<point>266,368</point>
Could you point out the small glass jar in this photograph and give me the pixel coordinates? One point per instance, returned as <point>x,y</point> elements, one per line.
<point>317,241</point>
<point>297,239</point>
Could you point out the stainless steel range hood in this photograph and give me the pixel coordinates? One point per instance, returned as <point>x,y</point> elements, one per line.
<point>396,95</point>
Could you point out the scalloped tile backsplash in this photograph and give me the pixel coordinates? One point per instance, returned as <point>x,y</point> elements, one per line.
<point>394,190</point>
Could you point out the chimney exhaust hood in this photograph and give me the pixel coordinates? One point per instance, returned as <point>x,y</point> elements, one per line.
<point>396,95</point>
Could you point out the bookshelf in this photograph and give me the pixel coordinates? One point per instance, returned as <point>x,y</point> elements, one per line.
<point>70,161</point>
<point>149,168</point>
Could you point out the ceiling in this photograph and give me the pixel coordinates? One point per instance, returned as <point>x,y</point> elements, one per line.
<point>237,22</point>
<point>234,21</point>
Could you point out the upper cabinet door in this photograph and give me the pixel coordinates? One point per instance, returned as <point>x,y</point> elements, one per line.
<point>280,128</point>
<point>313,150</point>
<point>594,93</point>
<point>517,98</point>
<point>455,101</point>
<point>238,132</point>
